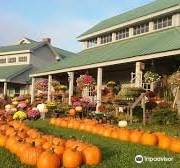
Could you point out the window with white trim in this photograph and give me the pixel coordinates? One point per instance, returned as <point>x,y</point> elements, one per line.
<point>22,59</point>
<point>2,60</point>
<point>91,43</point>
<point>121,34</point>
<point>12,60</point>
<point>140,29</point>
<point>106,39</point>
<point>163,22</point>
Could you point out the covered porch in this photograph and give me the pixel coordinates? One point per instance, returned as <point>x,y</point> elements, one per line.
<point>125,74</point>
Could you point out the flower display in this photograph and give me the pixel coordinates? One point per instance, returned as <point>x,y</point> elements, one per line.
<point>82,101</point>
<point>150,77</point>
<point>22,105</point>
<point>33,114</point>
<point>19,115</point>
<point>41,85</point>
<point>85,80</point>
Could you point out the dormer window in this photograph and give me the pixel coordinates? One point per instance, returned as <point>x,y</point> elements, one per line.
<point>124,33</point>
<point>106,39</point>
<point>12,60</point>
<point>22,59</point>
<point>163,22</point>
<point>91,43</point>
<point>2,60</point>
<point>142,28</point>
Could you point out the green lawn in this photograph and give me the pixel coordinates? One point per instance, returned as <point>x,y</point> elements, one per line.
<point>116,153</point>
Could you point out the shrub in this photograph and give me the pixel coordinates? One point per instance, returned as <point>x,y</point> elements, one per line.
<point>164,116</point>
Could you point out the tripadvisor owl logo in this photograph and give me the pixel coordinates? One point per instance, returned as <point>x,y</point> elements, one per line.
<point>138,158</point>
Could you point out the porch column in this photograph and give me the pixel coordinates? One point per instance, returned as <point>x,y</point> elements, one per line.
<point>99,86</point>
<point>49,87</point>
<point>5,89</point>
<point>138,77</point>
<point>71,86</point>
<point>32,91</point>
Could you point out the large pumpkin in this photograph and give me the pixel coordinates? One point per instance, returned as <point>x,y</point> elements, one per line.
<point>149,139</point>
<point>72,158</point>
<point>48,159</point>
<point>92,155</point>
<point>31,155</point>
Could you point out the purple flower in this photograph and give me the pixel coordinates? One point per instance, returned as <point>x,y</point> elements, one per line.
<point>22,105</point>
<point>33,114</point>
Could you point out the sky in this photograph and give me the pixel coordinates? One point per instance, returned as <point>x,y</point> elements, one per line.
<point>60,20</point>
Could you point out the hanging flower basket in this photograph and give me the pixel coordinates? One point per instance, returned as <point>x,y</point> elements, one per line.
<point>41,85</point>
<point>150,77</point>
<point>111,84</point>
<point>85,81</point>
<point>174,79</point>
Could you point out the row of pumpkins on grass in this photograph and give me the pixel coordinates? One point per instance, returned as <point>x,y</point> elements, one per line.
<point>46,151</point>
<point>158,139</point>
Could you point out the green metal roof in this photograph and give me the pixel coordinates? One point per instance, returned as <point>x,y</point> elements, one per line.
<point>133,14</point>
<point>19,47</point>
<point>162,41</point>
<point>33,44</point>
<point>8,72</point>
<point>63,53</point>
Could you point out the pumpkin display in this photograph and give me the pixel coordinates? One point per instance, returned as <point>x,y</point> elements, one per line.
<point>37,149</point>
<point>48,159</point>
<point>72,158</point>
<point>92,155</point>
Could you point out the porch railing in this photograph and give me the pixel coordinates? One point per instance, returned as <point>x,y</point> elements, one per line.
<point>141,99</point>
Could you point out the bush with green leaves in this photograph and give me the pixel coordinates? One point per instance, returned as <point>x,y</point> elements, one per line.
<point>164,116</point>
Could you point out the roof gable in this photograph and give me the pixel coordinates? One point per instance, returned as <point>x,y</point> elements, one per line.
<point>150,8</point>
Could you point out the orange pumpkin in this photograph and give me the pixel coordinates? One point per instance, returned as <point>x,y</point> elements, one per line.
<point>72,112</point>
<point>135,136</point>
<point>59,150</point>
<point>92,155</point>
<point>31,155</point>
<point>175,145</point>
<point>48,159</point>
<point>52,121</point>
<point>72,158</point>
<point>149,139</point>
<point>2,140</point>
<point>124,134</point>
<point>164,142</point>
<point>47,145</point>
